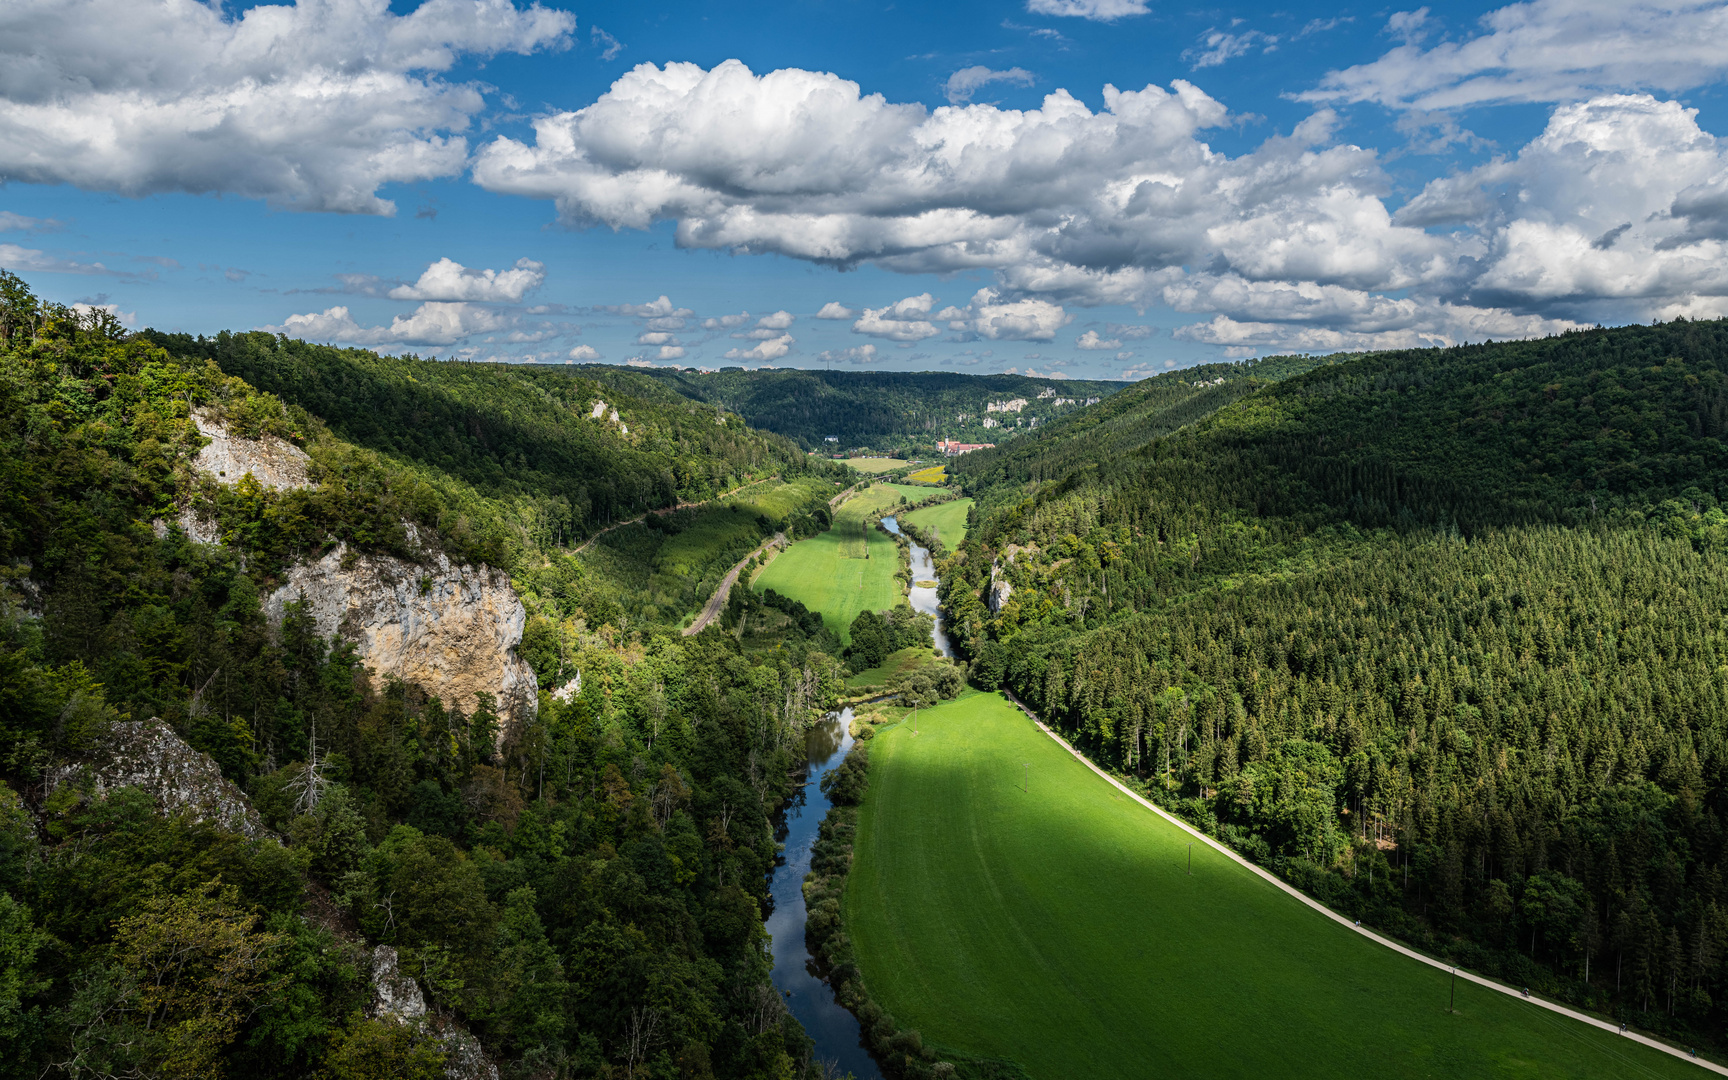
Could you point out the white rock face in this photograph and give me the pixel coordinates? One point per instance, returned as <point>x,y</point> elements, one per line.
<point>147,754</point>
<point>395,995</point>
<point>452,629</point>
<point>273,462</point>
<point>1000,591</point>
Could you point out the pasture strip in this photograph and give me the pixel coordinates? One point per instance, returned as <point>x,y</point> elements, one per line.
<point>1357,927</point>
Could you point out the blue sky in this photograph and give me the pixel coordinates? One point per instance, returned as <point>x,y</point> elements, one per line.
<point>864,185</point>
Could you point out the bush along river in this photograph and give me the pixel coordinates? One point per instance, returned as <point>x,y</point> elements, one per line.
<point>807,996</point>
<point>924,598</point>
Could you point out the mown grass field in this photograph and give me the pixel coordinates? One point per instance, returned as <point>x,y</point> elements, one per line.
<point>1058,927</point>
<point>850,521</point>
<point>897,663</point>
<point>946,520</point>
<point>875,464</point>
<point>826,573</point>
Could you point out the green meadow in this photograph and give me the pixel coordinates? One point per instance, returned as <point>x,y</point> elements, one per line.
<point>667,567</point>
<point>944,521</point>
<point>1058,927</point>
<point>830,573</point>
<point>875,464</point>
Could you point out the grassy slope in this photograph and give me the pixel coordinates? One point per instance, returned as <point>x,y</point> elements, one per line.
<point>874,464</point>
<point>1059,928</point>
<point>948,519</point>
<point>664,575</point>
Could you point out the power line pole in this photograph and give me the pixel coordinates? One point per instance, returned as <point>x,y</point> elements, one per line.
<point>1190,860</point>
<point>1452,1006</point>
<point>1026,784</point>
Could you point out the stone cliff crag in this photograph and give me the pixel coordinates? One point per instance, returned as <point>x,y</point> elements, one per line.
<point>452,629</point>
<point>147,754</point>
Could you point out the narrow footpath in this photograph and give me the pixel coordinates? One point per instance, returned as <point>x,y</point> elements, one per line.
<point>1358,927</point>
<point>724,592</point>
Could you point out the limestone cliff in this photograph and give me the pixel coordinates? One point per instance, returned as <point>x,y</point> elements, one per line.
<point>273,462</point>
<point>452,629</point>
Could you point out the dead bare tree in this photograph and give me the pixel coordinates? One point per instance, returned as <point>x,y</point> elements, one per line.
<point>639,1038</point>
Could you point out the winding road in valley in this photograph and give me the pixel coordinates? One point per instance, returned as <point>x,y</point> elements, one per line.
<point>724,592</point>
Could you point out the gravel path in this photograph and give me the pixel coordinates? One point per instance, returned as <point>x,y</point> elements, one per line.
<point>724,592</point>
<point>1357,927</point>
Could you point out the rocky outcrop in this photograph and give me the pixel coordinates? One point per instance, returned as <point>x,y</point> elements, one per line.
<point>397,997</point>
<point>147,754</point>
<point>998,595</point>
<point>273,462</point>
<point>451,629</point>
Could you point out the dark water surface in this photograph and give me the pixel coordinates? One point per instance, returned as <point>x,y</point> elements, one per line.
<point>811,1001</point>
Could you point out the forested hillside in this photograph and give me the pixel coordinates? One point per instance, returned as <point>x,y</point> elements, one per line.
<point>582,890</point>
<point>1437,634</point>
<point>507,429</point>
<point>885,410</point>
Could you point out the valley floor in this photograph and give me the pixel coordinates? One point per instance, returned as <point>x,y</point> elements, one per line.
<point>1007,902</point>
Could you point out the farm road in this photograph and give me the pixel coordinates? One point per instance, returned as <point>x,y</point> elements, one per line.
<point>724,592</point>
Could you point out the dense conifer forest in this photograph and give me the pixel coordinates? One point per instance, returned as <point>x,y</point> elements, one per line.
<point>1436,634</point>
<point>582,890</point>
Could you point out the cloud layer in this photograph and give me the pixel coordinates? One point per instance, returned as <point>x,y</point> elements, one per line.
<point>1291,244</point>
<point>311,106</point>
<point>1546,50</point>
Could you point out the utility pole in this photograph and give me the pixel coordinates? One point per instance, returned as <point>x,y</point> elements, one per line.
<point>1452,1007</point>
<point>1026,784</point>
<point>1190,860</point>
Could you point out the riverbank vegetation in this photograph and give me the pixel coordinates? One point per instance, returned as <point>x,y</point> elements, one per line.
<point>1431,633</point>
<point>985,856</point>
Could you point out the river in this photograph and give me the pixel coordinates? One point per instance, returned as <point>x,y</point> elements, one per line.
<point>809,998</point>
<point>924,599</point>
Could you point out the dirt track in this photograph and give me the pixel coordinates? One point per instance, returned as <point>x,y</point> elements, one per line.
<point>724,592</point>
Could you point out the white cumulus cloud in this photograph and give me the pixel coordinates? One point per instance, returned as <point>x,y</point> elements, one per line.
<point>833,309</point>
<point>584,353</point>
<point>780,320</point>
<point>447,279</point>
<point>1029,319</point>
<point>1619,210</point>
<point>968,81</point>
<point>430,324</point>
<point>726,322</point>
<point>857,354</point>
<point>17,257</point>
<point>1220,47</point>
<point>903,320</point>
<point>1097,10</point>
<point>772,348</point>
<point>1091,341</point>
<point>311,105</point>
<point>660,308</point>
<point>1545,50</point>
